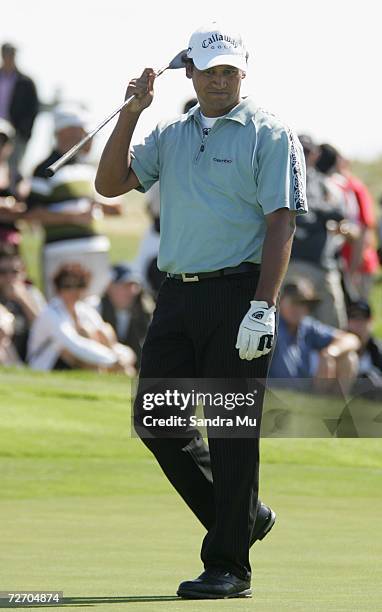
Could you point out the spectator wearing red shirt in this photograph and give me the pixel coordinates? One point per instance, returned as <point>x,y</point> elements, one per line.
<point>359,254</point>
<point>360,257</point>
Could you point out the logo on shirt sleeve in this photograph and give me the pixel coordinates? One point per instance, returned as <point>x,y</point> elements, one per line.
<point>299,197</point>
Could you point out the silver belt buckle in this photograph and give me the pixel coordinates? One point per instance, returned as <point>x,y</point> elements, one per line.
<point>189,279</point>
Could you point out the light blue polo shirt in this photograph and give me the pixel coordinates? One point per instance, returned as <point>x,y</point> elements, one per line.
<point>215,191</point>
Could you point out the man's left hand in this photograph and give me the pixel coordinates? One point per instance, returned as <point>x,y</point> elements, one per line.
<point>256,331</point>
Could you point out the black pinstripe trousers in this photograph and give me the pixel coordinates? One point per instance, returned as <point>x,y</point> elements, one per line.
<point>193,335</point>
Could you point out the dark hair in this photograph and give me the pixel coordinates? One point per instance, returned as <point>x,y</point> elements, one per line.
<point>359,310</point>
<point>8,47</point>
<point>71,276</point>
<point>189,104</point>
<point>327,159</point>
<point>4,138</point>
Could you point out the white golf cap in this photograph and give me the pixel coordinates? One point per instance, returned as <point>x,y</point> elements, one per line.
<point>213,45</point>
<point>70,115</point>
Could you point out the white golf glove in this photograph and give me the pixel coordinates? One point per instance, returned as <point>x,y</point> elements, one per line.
<point>256,331</point>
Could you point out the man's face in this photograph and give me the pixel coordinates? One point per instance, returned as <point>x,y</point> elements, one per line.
<point>293,311</point>
<point>361,327</point>
<point>217,89</point>
<point>8,57</point>
<point>122,295</point>
<point>68,137</point>
<point>6,148</point>
<point>11,270</point>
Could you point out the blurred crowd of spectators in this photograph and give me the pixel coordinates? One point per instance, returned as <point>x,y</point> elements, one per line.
<point>92,315</point>
<point>325,341</point>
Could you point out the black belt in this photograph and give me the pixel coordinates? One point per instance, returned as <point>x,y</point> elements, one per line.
<point>191,277</point>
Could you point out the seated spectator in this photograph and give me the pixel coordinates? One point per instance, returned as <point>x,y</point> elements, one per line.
<point>12,191</point>
<point>70,334</point>
<point>8,353</point>
<point>370,351</point>
<point>64,205</point>
<point>308,354</point>
<point>19,297</point>
<point>127,308</point>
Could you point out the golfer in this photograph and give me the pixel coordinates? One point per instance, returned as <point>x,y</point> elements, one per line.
<point>232,179</point>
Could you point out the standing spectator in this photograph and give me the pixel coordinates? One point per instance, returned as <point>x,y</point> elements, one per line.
<point>127,308</point>
<point>18,104</point>
<point>11,192</point>
<point>19,297</point>
<point>314,247</point>
<point>70,334</point>
<point>380,231</point>
<point>64,205</point>
<point>359,255</point>
<point>308,354</point>
<point>361,258</point>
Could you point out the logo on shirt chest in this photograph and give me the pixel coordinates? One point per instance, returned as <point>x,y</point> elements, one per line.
<point>220,160</point>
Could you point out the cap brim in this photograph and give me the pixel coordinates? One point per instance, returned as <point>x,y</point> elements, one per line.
<point>237,61</point>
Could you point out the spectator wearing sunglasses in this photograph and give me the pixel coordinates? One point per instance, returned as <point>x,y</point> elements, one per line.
<point>70,334</point>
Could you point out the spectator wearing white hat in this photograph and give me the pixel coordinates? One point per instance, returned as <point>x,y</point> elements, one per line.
<point>65,205</point>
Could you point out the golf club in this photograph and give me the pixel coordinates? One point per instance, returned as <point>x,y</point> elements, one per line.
<point>177,62</point>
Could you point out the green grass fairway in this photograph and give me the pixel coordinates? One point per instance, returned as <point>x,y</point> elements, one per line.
<point>85,509</point>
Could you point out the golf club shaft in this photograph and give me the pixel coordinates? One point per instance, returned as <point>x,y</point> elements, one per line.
<point>52,169</point>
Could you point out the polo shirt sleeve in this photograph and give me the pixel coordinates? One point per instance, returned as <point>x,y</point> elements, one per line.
<point>281,174</point>
<point>145,161</point>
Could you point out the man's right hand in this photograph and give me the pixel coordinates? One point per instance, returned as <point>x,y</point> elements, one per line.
<point>143,91</point>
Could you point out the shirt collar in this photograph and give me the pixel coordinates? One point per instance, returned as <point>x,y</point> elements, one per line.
<point>242,113</point>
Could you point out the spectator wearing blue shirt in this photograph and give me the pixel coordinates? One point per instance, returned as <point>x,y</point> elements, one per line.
<point>310,355</point>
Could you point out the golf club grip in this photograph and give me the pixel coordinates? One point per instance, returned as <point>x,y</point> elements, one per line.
<point>52,169</point>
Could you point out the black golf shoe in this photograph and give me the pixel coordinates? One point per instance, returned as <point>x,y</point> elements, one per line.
<point>265,520</point>
<point>215,584</point>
